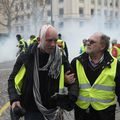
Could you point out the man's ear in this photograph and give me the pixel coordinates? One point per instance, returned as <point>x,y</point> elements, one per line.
<point>38,39</point>
<point>103,47</point>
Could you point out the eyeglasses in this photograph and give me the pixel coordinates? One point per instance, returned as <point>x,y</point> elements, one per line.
<point>89,41</point>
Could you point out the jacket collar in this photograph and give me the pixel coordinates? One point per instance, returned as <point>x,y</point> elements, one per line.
<point>108,59</point>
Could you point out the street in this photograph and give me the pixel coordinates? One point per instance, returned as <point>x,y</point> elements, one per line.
<point>5,70</point>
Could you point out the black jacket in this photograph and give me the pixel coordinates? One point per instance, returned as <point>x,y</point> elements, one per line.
<point>93,72</point>
<point>48,85</point>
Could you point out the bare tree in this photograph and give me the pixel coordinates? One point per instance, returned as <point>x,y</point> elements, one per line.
<point>10,10</point>
<point>7,13</point>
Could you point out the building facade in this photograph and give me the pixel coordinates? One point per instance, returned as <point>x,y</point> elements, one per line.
<point>31,14</point>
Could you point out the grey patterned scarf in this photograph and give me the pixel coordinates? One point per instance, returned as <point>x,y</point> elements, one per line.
<point>54,62</point>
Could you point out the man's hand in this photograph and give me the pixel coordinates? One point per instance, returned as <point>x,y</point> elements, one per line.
<point>63,101</point>
<point>69,77</point>
<point>16,111</point>
<point>16,104</point>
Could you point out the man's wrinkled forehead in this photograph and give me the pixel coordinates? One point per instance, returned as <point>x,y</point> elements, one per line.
<point>96,36</point>
<point>51,33</point>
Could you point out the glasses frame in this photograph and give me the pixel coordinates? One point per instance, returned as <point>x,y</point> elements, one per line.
<point>90,41</point>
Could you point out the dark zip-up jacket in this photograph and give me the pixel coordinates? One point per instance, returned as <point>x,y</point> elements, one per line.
<point>48,85</point>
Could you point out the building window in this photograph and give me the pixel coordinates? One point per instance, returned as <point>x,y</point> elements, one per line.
<point>81,23</point>
<point>81,12</point>
<point>117,3</point>
<point>0,7</point>
<point>111,13</point>
<point>92,1</point>
<point>28,27</point>
<point>61,24</point>
<point>98,12</point>
<point>92,12</point>
<point>99,2</point>
<point>22,17</point>
<point>22,6</point>
<point>60,1</point>
<point>48,2</point>
<point>16,18</point>
<point>111,3</point>
<point>61,11</point>
<point>105,2</point>
<point>28,5</point>
<point>116,14</point>
<point>41,2</point>
<point>28,16</point>
<point>106,25</point>
<point>16,8</point>
<point>81,1</point>
<point>110,25</point>
<point>105,13</point>
<point>22,28</point>
<point>49,13</point>
<point>17,29</point>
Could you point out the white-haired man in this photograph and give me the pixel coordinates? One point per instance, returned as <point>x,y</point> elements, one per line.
<point>43,70</point>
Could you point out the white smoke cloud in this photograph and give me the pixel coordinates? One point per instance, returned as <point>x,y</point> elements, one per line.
<point>8,49</point>
<point>72,33</point>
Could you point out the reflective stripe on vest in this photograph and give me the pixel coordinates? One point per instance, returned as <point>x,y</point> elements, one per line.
<point>32,41</point>
<point>21,73</point>
<point>23,44</point>
<point>94,99</point>
<point>61,81</point>
<point>102,93</point>
<point>99,87</point>
<point>19,79</point>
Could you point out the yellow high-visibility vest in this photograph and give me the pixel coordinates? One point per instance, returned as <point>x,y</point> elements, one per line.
<point>32,41</point>
<point>61,43</point>
<point>19,79</point>
<point>82,49</point>
<point>101,94</point>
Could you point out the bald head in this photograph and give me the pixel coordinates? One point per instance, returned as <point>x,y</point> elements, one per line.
<point>51,33</point>
<point>48,34</point>
<point>46,30</point>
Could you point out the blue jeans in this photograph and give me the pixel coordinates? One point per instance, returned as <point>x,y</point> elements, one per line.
<point>34,116</point>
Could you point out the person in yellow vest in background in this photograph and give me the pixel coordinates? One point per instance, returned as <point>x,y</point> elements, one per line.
<point>38,79</point>
<point>98,74</point>
<point>62,44</point>
<point>115,49</point>
<point>83,46</point>
<point>22,45</point>
<point>32,40</point>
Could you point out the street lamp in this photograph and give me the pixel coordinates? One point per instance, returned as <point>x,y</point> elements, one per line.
<point>52,23</point>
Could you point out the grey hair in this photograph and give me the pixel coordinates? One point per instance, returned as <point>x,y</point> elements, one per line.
<point>105,40</point>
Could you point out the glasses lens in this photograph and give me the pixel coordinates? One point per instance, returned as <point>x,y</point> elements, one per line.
<point>91,41</point>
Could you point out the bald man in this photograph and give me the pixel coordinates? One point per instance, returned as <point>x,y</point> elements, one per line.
<point>37,80</point>
<point>98,74</point>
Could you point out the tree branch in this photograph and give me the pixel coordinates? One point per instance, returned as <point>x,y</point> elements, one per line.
<point>3,24</point>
